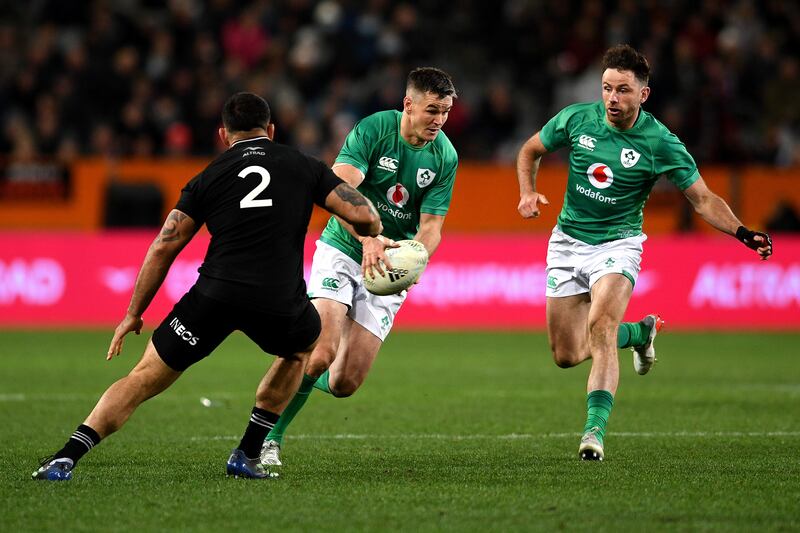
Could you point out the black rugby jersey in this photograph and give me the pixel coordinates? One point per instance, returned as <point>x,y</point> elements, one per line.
<point>256,200</point>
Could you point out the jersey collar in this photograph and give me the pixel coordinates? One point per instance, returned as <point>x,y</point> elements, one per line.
<point>248,140</point>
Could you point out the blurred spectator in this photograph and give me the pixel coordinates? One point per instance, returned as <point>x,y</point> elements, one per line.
<point>143,77</point>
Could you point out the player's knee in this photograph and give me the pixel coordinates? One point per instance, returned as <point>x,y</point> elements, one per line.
<point>564,359</point>
<point>563,354</point>
<point>145,381</point>
<point>301,357</point>
<point>323,355</point>
<point>344,386</point>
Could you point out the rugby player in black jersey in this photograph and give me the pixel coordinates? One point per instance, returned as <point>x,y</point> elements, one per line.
<point>256,201</point>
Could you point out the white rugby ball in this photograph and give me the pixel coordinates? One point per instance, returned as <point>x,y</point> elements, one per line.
<point>408,262</point>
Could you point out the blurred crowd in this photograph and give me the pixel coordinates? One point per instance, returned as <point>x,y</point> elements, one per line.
<point>148,77</point>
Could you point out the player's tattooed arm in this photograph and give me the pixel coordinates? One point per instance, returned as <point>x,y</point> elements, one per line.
<point>177,231</point>
<point>353,208</point>
<point>171,231</point>
<point>350,195</point>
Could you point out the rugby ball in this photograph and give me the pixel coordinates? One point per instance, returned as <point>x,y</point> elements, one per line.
<point>408,262</point>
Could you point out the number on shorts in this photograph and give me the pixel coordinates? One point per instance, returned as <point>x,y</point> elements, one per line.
<point>250,199</point>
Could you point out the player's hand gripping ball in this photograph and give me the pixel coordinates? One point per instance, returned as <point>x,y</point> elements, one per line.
<point>408,262</point>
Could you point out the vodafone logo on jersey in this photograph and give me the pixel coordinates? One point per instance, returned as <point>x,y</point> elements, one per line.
<point>397,195</point>
<point>600,176</point>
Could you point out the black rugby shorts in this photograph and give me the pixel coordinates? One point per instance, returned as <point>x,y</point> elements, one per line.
<point>198,324</point>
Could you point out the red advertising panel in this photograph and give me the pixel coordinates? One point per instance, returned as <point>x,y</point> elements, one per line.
<point>485,282</point>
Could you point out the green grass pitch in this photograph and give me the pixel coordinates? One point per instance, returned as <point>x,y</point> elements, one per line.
<point>467,431</point>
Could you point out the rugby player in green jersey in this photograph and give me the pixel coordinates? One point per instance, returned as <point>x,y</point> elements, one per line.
<point>617,152</point>
<point>406,166</point>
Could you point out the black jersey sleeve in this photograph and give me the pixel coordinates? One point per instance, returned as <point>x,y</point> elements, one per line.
<point>326,182</point>
<point>190,201</point>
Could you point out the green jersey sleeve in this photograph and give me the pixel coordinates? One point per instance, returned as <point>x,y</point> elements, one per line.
<point>555,134</point>
<point>437,200</point>
<point>673,160</point>
<point>357,146</point>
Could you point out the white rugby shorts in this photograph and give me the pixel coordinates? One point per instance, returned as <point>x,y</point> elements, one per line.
<point>574,266</point>
<point>336,276</point>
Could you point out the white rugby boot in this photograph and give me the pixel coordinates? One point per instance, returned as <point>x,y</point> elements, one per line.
<point>644,355</point>
<point>271,454</point>
<point>591,448</point>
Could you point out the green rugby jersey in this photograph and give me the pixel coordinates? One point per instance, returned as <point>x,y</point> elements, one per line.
<point>611,172</point>
<point>401,180</point>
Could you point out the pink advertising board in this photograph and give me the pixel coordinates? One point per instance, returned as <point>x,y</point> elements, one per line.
<point>473,282</point>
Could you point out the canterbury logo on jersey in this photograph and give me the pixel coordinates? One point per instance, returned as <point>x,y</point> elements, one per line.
<point>330,283</point>
<point>587,142</point>
<point>388,163</point>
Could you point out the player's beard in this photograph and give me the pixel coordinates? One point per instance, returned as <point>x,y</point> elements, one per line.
<point>622,117</point>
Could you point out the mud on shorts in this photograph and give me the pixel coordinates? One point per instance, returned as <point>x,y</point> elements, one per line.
<point>336,276</point>
<point>198,324</point>
<point>574,266</point>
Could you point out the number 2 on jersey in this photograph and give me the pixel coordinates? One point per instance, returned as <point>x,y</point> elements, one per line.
<point>250,199</point>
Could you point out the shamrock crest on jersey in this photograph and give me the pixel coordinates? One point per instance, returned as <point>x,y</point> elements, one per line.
<point>425,177</point>
<point>628,157</point>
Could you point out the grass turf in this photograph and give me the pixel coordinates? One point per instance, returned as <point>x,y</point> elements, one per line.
<point>467,431</point>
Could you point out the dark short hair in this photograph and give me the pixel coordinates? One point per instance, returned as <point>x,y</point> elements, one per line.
<point>245,112</point>
<point>625,57</point>
<point>431,80</point>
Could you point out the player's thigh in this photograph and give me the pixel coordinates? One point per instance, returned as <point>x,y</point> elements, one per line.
<point>375,313</point>
<point>152,374</point>
<point>287,336</point>
<point>333,316</point>
<point>358,349</point>
<point>610,296</point>
<point>334,275</point>
<point>565,256</point>
<point>567,327</point>
<point>192,330</point>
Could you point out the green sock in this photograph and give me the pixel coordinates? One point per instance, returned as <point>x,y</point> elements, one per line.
<point>632,334</point>
<point>297,403</point>
<point>322,382</point>
<point>599,404</point>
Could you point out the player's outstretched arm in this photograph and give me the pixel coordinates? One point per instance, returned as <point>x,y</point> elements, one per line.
<point>355,208</point>
<point>178,230</point>
<point>528,160</point>
<point>430,231</point>
<point>716,212</point>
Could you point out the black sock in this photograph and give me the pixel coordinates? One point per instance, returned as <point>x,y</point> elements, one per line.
<point>261,422</point>
<point>79,444</point>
